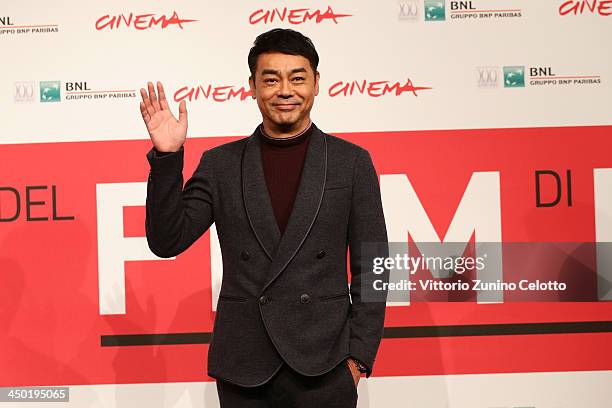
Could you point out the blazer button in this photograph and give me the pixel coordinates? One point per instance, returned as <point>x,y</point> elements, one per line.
<point>263,300</point>
<point>321,254</point>
<point>305,298</point>
<point>244,255</point>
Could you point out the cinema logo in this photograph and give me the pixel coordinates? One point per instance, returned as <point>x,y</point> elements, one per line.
<point>294,16</point>
<point>140,21</point>
<point>436,10</point>
<point>214,93</point>
<point>592,7</point>
<point>514,76</point>
<point>374,89</point>
<point>8,27</point>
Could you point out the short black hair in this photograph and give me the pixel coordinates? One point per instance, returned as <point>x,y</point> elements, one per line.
<point>284,40</point>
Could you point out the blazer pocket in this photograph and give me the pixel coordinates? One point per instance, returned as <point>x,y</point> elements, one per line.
<point>326,298</point>
<point>336,187</point>
<point>230,298</point>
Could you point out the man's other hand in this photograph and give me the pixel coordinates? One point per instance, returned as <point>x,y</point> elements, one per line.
<point>354,370</point>
<point>167,133</point>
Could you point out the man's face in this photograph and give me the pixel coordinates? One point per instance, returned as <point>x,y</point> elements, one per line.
<point>284,86</point>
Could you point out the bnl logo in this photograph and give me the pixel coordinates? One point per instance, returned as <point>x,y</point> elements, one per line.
<point>49,91</point>
<point>435,10</point>
<point>514,77</point>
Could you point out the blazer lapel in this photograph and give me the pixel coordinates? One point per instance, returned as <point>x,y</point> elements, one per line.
<point>258,205</point>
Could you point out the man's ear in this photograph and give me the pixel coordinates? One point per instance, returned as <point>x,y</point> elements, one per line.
<point>317,77</point>
<point>252,86</point>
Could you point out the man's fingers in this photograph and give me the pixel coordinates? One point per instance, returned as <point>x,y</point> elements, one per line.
<point>145,114</point>
<point>162,96</point>
<point>183,112</point>
<point>147,103</point>
<point>153,97</point>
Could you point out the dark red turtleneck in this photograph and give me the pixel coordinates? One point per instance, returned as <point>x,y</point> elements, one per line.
<point>283,160</point>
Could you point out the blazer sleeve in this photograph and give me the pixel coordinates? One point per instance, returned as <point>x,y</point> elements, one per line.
<point>366,225</point>
<point>175,216</point>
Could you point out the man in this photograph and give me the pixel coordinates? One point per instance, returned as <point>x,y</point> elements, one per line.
<point>286,202</point>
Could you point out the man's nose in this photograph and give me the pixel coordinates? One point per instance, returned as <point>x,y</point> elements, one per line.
<point>285,89</point>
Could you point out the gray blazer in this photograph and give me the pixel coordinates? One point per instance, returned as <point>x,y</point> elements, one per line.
<point>282,298</point>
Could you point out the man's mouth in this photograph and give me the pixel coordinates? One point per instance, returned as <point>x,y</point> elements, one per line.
<point>286,106</point>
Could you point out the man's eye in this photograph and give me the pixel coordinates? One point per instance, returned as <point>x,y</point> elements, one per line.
<point>299,78</point>
<point>269,80</point>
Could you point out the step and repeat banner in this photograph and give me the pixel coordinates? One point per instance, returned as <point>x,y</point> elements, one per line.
<point>488,121</point>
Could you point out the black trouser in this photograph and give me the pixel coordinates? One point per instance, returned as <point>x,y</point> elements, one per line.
<point>289,389</point>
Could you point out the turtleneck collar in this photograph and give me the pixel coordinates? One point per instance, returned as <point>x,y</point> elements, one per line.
<point>285,141</point>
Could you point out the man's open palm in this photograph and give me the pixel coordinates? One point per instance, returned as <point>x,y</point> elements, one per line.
<point>167,133</point>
